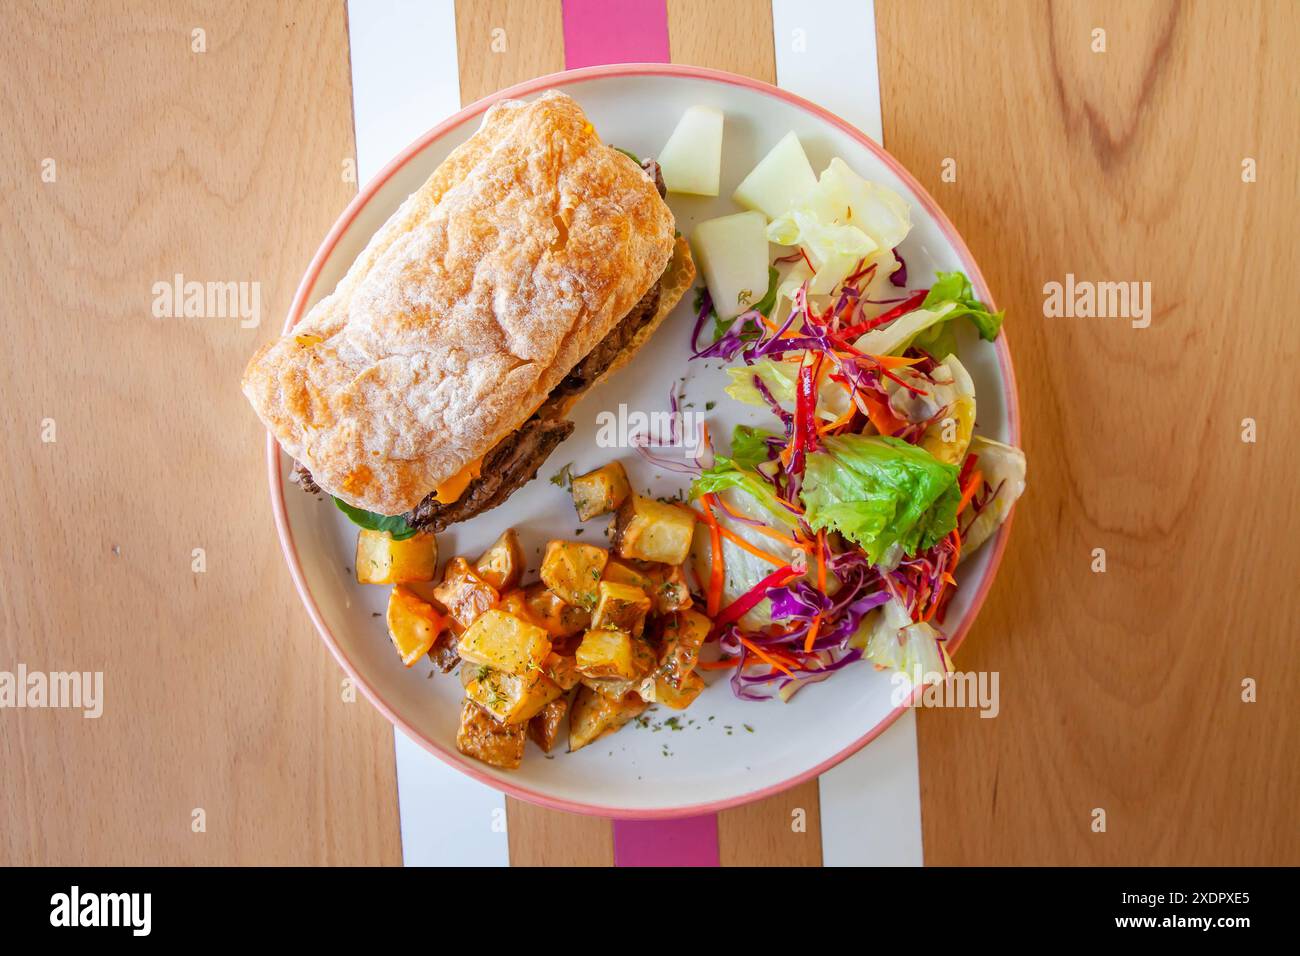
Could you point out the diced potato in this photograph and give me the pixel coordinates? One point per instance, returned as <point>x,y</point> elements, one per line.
<point>504,642</point>
<point>545,727</point>
<point>679,698</point>
<point>621,607</point>
<point>781,179</point>
<point>616,688</point>
<point>601,491</point>
<point>485,739</point>
<point>550,611</point>
<point>563,669</point>
<point>502,565</point>
<point>592,716</point>
<point>621,573</point>
<point>684,635</point>
<point>651,530</point>
<point>573,570</point>
<point>381,560</point>
<point>608,653</point>
<point>510,698</point>
<point>691,160</point>
<point>732,253</point>
<point>463,593</point>
<point>443,653</point>
<point>669,590</point>
<point>413,624</point>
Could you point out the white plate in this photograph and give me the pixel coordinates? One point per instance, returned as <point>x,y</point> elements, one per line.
<point>730,751</point>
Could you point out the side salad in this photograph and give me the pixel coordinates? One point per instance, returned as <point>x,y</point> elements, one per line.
<point>833,533</point>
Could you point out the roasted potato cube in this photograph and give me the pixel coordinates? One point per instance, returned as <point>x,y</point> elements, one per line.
<point>669,589</point>
<point>502,565</point>
<point>550,611</point>
<point>504,642</point>
<point>413,624</point>
<point>563,669</point>
<point>381,560</point>
<point>485,739</point>
<point>650,530</point>
<point>684,635</point>
<point>615,688</point>
<point>573,570</point>
<point>510,698</point>
<point>443,653</point>
<point>620,573</point>
<point>605,652</point>
<point>545,727</point>
<point>464,594</point>
<point>679,698</point>
<point>593,715</point>
<point>621,607</point>
<point>601,491</point>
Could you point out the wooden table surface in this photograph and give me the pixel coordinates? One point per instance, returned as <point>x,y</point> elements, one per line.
<point>1121,691</point>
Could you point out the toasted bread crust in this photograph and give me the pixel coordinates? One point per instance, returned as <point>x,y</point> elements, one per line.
<point>520,252</point>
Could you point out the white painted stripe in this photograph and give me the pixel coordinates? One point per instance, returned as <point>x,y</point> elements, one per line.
<point>871,803</point>
<point>405,79</point>
<point>405,75</point>
<point>448,818</point>
<point>826,52</point>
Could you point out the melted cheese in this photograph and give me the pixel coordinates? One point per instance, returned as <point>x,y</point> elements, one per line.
<point>455,486</point>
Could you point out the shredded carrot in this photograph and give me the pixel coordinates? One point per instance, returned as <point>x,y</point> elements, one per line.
<point>972,483</point>
<point>769,532</point>
<point>725,664</point>
<point>812,633</point>
<point>716,568</point>
<point>740,542</point>
<point>779,666</point>
<point>737,540</point>
<point>881,415</point>
<point>839,422</point>
<point>821,586</point>
<point>891,361</point>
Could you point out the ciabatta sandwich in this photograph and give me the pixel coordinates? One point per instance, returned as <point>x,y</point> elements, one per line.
<point>437,376</point>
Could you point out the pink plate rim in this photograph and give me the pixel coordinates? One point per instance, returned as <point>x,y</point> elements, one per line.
<point>345,220</point>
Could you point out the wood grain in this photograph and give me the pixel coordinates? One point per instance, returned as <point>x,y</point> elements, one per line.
<point>217,692</point>
<point>784,830</point>
<point>733,35</point>
<point>1122,690</point>
<point>533,41</point>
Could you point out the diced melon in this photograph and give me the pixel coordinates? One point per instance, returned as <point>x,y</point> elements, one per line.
<point>780,179</point>
<point>691,160</point>
<point>732,253</point>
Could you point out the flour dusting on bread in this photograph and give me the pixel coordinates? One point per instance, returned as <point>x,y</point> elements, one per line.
<point>521,251</point>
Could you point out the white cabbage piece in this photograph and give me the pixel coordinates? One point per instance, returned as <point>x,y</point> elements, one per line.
<point>691,160</point>
<point>781,379</point>
<point>743,570</point>
<point>833,248</point>
<point>780,179</point>
<point>894,338</point>
<point>732,254</point>
<point>949,437</point>
<point>890,638</point>
<point>1001,465</point>
<point>845,197</point>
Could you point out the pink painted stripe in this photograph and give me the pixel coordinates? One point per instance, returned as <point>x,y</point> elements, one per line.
<point>597,32</point>
<point>686,841</point>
